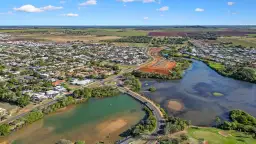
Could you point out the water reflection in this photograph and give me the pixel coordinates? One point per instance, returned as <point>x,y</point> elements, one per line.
<point>199,90</point>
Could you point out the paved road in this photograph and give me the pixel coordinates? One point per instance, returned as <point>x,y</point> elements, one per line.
<point>155,110</point>
<point>23,114</point>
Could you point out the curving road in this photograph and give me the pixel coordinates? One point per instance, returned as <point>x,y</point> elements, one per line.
<point>155,110</point>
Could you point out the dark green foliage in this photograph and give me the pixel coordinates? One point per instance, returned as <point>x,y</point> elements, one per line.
<point>134,39</point>
<point>145,126</point>
<point>183,137</point>
<point>132,82</point>
<point>152,89</point>
<point>203,36</point>
<point>80,142</point>
<point>60,104</point>
<point>33,116</point>
<point>167,40</point>
<point>23,100</point>
<point>175,124</point>
<point>105,91</point>
<point>4,129</point>
<point>236,72</point>
<point>240,121</point>
<point>246,74</point>
<point>242,117</point>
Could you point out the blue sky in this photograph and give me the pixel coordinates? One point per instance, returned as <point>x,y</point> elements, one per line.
<point>127,12</point>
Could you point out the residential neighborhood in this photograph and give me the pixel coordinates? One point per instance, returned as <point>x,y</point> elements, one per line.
<point>220,53</point>
<point>37,71</point>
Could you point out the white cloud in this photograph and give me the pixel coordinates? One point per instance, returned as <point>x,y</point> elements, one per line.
<point>88,2</point>
<point>32,9</point>
<point>7,13</point>
<point>71,15</point>
<point>199,10</point>
<point>50,7</point>
<point>146,18</point>
<point>28,8</point>
<point>231,3</point>
<point>165,8</point>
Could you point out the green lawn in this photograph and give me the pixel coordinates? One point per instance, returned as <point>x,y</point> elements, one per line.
<point>212,136</point>
<point>252,35</point>
<point>215,65</point>
<point>92,31</point>
<point>243,41</point>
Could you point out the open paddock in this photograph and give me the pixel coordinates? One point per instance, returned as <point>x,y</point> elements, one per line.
<point>192,33</point>
<point>65,38</point>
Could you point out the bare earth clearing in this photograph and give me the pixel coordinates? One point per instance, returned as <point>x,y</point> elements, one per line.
<point>175,105</point>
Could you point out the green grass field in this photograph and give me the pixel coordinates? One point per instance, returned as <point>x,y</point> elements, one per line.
<point>212,136</point>
<point>243,41</point>
<point>216,65</point>
<point>117,32</point>
<point>91,31</point>
<point>252,35</point>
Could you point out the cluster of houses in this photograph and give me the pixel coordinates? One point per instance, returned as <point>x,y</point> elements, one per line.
<point>57,91</point>
<point>117,54</point>
<point>4,36</point>
<point>3,112</point>
<point>227,55</point>
<point>36,63</point>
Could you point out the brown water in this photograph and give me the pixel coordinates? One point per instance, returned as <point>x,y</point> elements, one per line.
<point>93,121</point>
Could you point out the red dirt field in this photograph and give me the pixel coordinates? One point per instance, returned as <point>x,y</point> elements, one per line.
<point>159,64</point>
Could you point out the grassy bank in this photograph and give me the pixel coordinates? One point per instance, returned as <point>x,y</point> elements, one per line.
<point>78,96</point>
<point>238,72</point>
<point>217,136</point>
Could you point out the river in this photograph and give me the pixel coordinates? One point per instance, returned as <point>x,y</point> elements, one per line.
<point>202,95</point>
<point>93,121</point>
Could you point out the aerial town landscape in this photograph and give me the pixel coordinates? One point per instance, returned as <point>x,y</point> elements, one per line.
<point>130,84</point>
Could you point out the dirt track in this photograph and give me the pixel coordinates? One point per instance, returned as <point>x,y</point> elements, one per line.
<point>159,64</point>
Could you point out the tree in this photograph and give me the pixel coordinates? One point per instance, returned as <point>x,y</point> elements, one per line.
<point>23,100</point>
<point>152,89</point>
<point>77,94</point>
<point>87,93</point>
<point>184,137</point>
<point>80,142</point>
<point>4,130</point>
<point>63,141</point>
<point>217,121</point>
